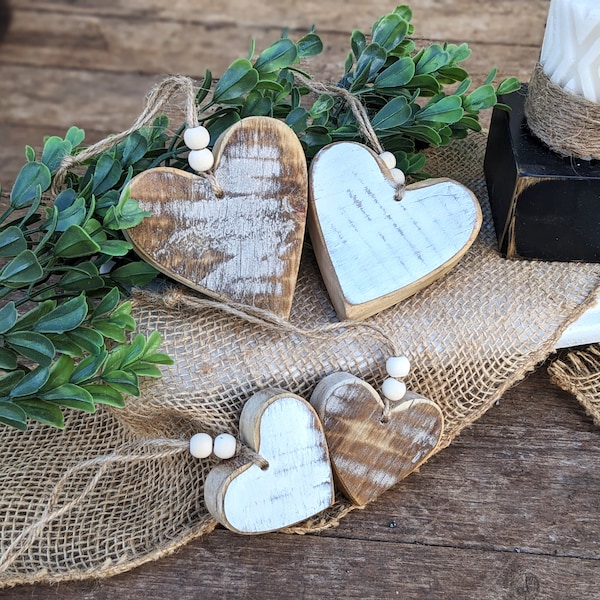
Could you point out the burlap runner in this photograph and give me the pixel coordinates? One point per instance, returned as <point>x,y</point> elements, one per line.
<point>107,494</point>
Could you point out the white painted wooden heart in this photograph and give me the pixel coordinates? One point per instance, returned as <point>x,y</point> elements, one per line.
<point>245,245</point>
<point>373,250</point>
<point>298,483</point>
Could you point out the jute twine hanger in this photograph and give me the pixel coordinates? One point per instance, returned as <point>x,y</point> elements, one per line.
<point>161,448</point>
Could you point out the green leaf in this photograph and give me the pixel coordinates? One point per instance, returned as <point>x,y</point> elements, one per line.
<point>358,43</point>
<point>31,383</point>
<point>104,394</point>
<point>279,55</point>
<point>110,330</point>
<point>126,214</point>
<point>115,247</point>
<point>13,415</point>
<point>309,45</point>
<point>322,104</point>
<point>8,317</point>
<point>257,104</point>
<point>221,124</point>
<point>122,381</point>
<point>427,84</point>
<point>136,274</point>
<point>32,345</point>
<point>159,359</point>
<point>82,278</point>
<point>446,110</point>
<point>395,113</point>
<point>44,412</point>
<point>423,133</point>
<point>508,86</point>
<point>370,61</point>
<point>75,135</point>
<point>75,242</point>
<point>74,214</point>
<point>389,31</point>
<point>8,359</point>
<point>33,315</point>
<point>108,303</point>
<point>70,395</point>
<point>8,381</point>
<point>404,11</point>
<point>29,154</point>
<point>88,367</point>
<point>153,343</point>
<point>433,58</point>
<point>21,270</point>
<point>86,338</point>
<point>143,369</point>
<point>60,372</point>
<point>107,173</point>
<point>135,147</point>
<point>480,99</point>
<point>12,242</point>
<point>31,175</point>
<point>297,119</point>
<point>239,79</point>
<point>64,345</point>
<point>55,149</point>
<point>205,87</point>
<point>64,317</point>
<point>398,74</point>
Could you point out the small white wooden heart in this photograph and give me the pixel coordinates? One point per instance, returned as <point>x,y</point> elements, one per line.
<point>373,250</point>
<point>284,430</point>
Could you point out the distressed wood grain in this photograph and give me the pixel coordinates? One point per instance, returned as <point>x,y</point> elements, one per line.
<point>371,454</point>
<point>372,249</point>
<point>284,430</point>
<point>240,243</point>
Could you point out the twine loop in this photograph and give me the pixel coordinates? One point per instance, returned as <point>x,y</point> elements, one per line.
<point>158,97</point>
<point>567,123</point>
<point>360,114</point>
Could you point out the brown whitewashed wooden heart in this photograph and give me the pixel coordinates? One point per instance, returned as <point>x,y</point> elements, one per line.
<point>245,246</point>
<point>368,455</point>
<point>285,431</point>
<point>372,249</point>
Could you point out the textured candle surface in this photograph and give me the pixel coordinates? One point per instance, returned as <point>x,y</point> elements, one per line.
<point>571,50</point>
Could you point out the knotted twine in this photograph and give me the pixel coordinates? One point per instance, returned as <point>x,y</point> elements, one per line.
<point>138,495</point>
<point>567,123</point>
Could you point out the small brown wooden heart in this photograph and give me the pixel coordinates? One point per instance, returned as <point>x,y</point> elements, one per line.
<point>368,455</point>
<point>242,247</point>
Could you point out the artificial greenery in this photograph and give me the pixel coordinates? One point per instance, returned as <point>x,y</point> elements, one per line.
<point>65,266</point>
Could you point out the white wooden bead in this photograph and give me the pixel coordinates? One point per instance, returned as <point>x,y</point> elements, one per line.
<point>393,389</point>
<point>201,160</point>
<point>196,138</point>
<point>389,159</point>
<point>397,366</point>
<point>225,446</point>
<point>398,176</point>
<point>201,445</point>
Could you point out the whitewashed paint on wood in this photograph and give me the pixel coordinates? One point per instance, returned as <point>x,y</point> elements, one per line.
<point>373,250</point>
<point>244,247</point>
<point>369,455</point>
<point>285,430</point>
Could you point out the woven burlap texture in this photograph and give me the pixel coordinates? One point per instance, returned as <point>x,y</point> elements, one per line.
<point>107,494</point>
<point>579,373</point>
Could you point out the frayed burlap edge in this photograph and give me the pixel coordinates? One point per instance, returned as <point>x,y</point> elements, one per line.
<point>579,374</point>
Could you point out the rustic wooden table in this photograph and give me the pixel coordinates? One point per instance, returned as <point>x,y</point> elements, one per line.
<point>510,510</point>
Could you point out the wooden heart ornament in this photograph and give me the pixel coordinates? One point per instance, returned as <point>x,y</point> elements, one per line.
<point>369,455</point>
<point>284,430</point>
<point>372,249</point>
<point>245,245</point>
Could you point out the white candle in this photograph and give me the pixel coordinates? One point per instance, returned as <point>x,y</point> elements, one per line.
<point>571,50</point>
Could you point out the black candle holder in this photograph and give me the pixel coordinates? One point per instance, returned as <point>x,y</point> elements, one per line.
<point>545,206</point>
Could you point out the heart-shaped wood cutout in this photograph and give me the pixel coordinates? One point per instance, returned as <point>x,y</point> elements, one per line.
<point>242,247</point>
<point>285,431</point>
<point>369,455</point>
<point>373,250</point>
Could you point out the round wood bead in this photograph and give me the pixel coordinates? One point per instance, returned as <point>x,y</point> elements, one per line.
<point>201,445</point>
<point>398,176</point>
<point>393,389</point>
<point>196,138</point>
<point>225,446</point>
<point>389,159</point>
<point>201,160</point>
<point>397,366</point>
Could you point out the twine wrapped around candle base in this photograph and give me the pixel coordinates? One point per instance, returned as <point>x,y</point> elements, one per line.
<point>568,124</point>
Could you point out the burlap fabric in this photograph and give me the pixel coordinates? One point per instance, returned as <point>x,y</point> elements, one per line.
<point>579,374</point>
<point>118,488</point>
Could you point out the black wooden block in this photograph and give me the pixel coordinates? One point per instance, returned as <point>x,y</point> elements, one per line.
<point>544,206</point>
